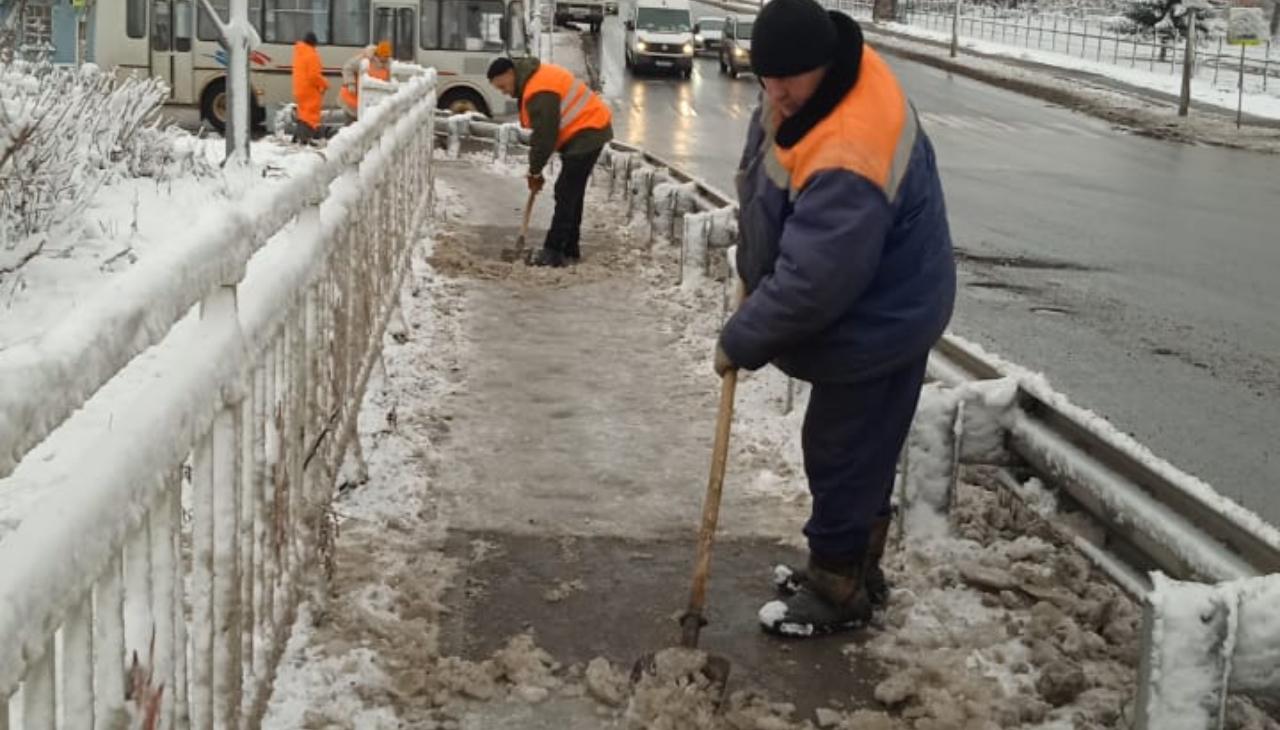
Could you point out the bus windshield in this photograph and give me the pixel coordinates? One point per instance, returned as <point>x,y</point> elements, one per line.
<point>663,20</point>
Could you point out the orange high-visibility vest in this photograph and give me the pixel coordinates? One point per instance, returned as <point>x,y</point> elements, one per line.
<point>382,74</point>
<point>580,108</point>
<point>309,84</point>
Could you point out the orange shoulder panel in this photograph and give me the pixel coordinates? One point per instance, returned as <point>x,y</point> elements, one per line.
<point>860,135</point>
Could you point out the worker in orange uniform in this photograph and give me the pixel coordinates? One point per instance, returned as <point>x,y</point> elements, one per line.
<point>566,117</point>
<point>379,58</point>
<point>309,86</point>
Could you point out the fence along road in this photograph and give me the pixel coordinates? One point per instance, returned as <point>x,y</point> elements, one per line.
<point>243,413</point>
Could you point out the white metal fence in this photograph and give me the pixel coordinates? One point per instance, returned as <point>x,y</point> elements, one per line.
<point>155,583</point>
<point>1096,39</point>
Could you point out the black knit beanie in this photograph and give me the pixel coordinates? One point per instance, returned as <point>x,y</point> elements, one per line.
<point>792,37</point>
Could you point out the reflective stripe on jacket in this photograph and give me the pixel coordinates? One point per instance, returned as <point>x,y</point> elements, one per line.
<point>580,108</point>
<point>845,247</point>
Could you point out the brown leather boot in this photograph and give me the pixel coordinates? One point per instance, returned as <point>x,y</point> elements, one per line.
<point>787,580</point>
<point>832,598</point>
<point>877,584</point>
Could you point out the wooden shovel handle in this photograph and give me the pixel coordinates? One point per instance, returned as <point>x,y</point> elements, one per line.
<point>528,211</point>
<point>693,620</point>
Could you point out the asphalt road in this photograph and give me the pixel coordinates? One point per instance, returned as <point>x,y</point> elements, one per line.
<point>1142,277</point>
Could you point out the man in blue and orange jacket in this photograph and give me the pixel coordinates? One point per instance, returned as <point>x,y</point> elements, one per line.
<point>846,258</point>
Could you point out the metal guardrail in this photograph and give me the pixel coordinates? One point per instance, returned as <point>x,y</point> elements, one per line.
<point>1198,538</point>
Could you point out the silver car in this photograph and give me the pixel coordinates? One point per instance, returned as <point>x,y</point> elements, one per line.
<point>735,44</point>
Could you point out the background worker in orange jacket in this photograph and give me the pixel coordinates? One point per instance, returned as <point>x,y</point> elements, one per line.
<point>309,86</point>
<point>379,58</point>
<point>566,117</point>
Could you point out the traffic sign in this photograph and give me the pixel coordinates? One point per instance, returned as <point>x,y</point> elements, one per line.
<point>1247,26</point>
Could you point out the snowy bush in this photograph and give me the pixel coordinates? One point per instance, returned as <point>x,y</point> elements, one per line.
<point>1168,18</point>
<point>63,134</point>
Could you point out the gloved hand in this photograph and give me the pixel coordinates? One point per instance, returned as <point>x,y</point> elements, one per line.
<point>536,182</point>
<point>722,363</point>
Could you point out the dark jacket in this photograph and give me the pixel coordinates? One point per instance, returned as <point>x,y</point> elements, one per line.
<point>845,249</point>
<point>544,115</point>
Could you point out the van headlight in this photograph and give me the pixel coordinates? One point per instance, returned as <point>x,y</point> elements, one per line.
<point>739,51</point>
<point>688,49</point>
<point>640,46</point>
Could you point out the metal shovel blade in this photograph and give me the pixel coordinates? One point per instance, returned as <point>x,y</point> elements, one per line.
<point>511,255</point>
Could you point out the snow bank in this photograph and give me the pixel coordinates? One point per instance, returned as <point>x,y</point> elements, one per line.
<point>1258,103</point>
<point>952,424</point>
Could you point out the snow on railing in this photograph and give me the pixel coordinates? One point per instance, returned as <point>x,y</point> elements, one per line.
<point>45,380</point>
<point>186,502</point>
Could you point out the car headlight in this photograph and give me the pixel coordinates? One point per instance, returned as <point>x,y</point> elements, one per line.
<point>640,46</point>
<point>739,51</point>
<point>688,49</point>
<point>697,39</point>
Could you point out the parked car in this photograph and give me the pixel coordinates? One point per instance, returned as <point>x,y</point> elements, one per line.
<point>735,45</point>
<point>707,33</point>
<point>660,36</point>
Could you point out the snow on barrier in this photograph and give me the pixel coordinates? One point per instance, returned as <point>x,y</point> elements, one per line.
<point>982,410</point>
<point>1212,630</point>
<point>185,503</point>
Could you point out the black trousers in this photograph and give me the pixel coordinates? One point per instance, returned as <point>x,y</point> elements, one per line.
<point>571,189</point>
<point>853,433</point>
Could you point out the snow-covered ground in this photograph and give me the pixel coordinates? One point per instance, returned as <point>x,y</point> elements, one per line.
<point>127,219</point>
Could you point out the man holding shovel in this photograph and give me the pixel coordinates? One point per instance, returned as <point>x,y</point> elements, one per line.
<point>846,255</point>
<point>566,117</point>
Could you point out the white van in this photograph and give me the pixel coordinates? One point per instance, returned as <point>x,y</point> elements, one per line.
<point>660,36</point>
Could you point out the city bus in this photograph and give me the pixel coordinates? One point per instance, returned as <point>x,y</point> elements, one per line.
<point>457,37</point>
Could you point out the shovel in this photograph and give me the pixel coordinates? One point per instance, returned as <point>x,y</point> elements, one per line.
<point>717,667</point>
<point>510,255</point>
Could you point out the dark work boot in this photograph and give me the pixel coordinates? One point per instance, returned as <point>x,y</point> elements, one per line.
<point>547,257</point>
<point>832,598</point>
<point>787,580</point>
<point>877,584</point>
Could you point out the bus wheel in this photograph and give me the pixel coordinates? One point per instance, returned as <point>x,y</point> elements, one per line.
<point>213,105</point>
<point>461,101</point>
<point>213,108</point>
